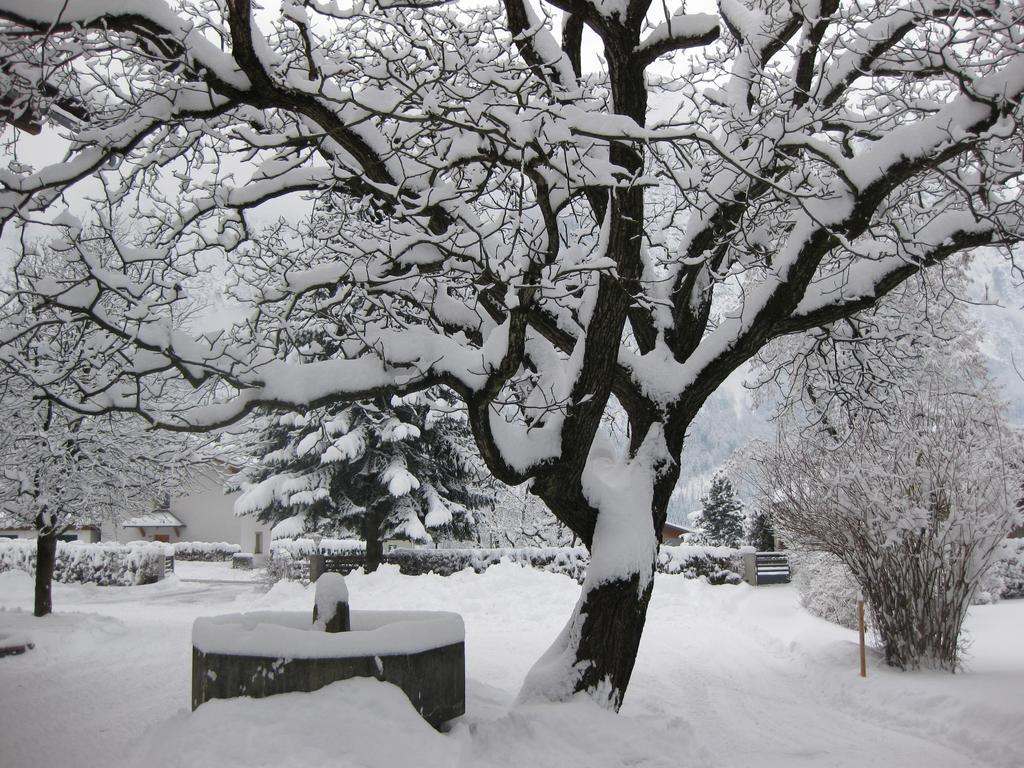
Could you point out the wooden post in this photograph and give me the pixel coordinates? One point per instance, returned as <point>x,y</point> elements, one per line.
<point>317,566</point>
<point>860,631</point>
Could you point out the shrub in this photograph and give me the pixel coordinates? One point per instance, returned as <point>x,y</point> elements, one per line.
<point>1005,578</point>
<point>719,565</point>
<point>102,564</point>
<point>242,561</point>
<point>826,587</point>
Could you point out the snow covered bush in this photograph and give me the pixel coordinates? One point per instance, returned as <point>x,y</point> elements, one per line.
<point>102,564</point>
<point>568,561</point>
<point>281,564</point>
<point>914,499</point>
<point>289,558</point>
<point>719,565</point>
<point>304,547</point>
<point>1004,580</point>
<point>205,550</point>
<point>826,587</point>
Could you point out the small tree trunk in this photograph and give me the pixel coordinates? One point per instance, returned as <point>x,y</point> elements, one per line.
<point>46,559</point>
<point>374,546</point>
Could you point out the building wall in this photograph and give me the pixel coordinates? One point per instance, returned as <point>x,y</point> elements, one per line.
<point>208,514</point>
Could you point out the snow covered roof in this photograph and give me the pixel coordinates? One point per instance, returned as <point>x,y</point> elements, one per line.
<point>673,529</point>
<point>153,520</point>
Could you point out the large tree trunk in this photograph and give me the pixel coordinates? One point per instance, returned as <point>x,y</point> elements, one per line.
<point>596,650</point>
<point>46,559</point>
<point>374,545</point>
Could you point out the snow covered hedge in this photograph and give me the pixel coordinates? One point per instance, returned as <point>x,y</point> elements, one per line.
<point>106,565</point>
<point>1005,579</point>
<point>289,560</point>
<point>304,547</point>
<point>205,550</point>
<point>569,561</point>
<point>719,565</point>
<point>826,586</point>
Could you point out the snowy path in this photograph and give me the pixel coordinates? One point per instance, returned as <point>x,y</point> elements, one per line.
<point>784,685</point>
<point>197,570</point>
<point>726,677</point>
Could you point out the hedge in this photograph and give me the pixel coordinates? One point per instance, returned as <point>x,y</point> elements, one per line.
<point>289,559</point>
<point>1005,578</point>
<point>208,551</point>
<point>120,565</point>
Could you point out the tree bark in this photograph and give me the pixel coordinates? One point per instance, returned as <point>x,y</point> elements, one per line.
<point>374,545</point>
<point>46,559</point>
<point>596,651</point>
<point>613,615</point>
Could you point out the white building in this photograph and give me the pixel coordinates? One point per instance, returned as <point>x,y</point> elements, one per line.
<point>204,514</point>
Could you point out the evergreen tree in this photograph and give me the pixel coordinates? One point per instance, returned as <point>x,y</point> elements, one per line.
<point>379,469</point>
<point>721,517</point>
<point>761,531</point>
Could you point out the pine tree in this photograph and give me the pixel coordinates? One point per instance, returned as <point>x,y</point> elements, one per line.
<point>721,516</point>
<point>379,469</point>
<point>761,531</point>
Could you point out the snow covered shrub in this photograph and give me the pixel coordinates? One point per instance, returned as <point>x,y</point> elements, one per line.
<point>719,565</point>
<point>915,500</point>
<point>242,561</point>
<point>101,564</point>
<point>289,558</point>
<point>208,551</point>
<point>1005,579</point>
<point>304,547</point>
<point>281,564</point>
<point>18,555</point>
<point>826,587</point>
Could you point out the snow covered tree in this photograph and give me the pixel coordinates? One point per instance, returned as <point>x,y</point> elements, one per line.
<point>61,470</point>
<point>399,469</point>
<point>721,518</point>
<point>544,235</point>
<point>760,532</point>
<point>914,498</point>
<point>519,519</point>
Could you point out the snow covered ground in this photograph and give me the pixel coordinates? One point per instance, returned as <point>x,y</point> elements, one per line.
<point>198,570</point>
<point>727,676</point>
